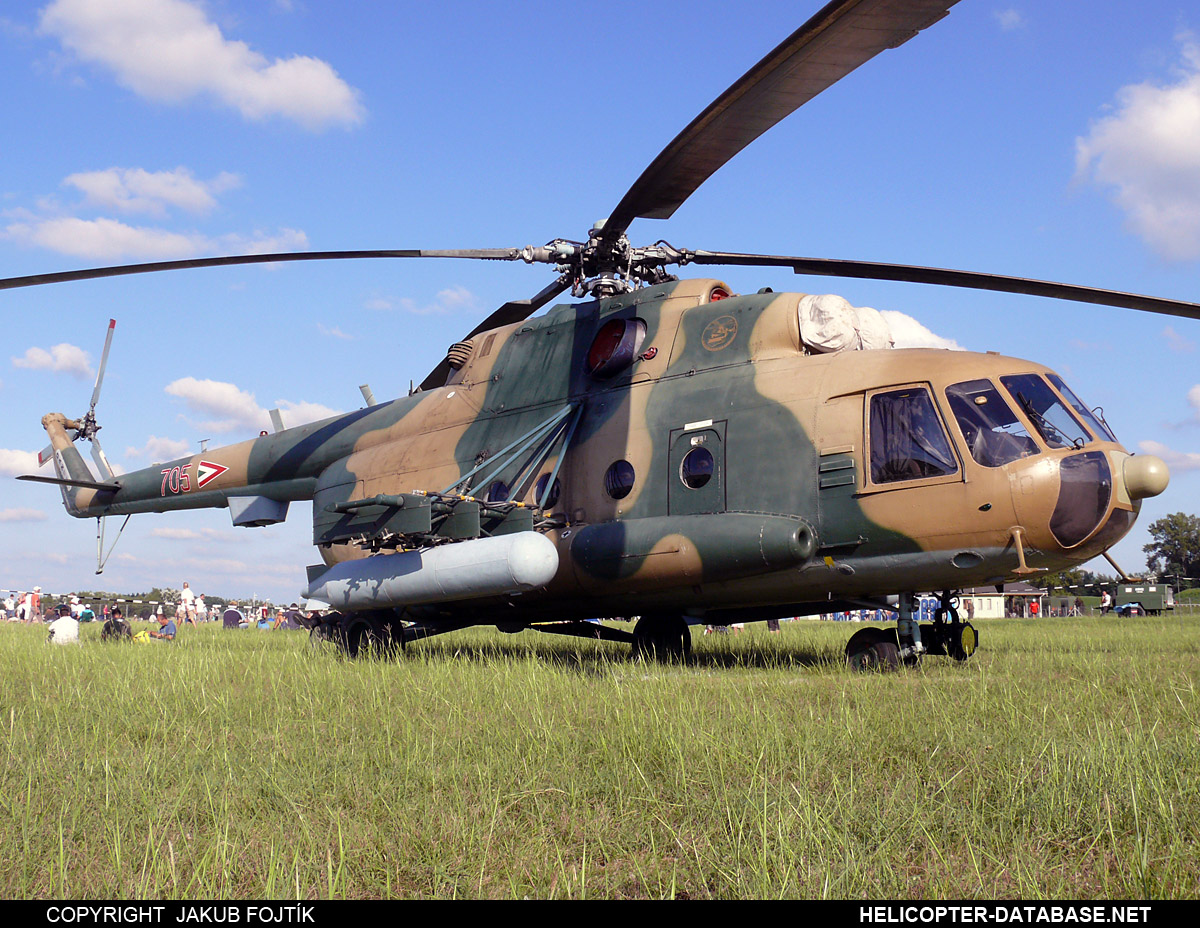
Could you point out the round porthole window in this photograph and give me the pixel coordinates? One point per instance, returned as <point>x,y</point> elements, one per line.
<point>497,492</point>
<point>697,468</point>
<point>618,479</point>
<point>540,488</point>
<point>615,347</point>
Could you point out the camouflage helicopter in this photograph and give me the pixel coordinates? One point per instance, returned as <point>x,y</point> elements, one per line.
<point>621,455</point>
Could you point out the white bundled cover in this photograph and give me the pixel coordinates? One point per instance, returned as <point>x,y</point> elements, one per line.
<point>829,323</point>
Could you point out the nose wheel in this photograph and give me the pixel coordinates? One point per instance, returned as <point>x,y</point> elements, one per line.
<point>887,648</point>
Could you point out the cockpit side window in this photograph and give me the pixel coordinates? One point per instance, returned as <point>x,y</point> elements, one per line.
<point>907,439</point>
<point>995,436</point>
<point>1098,425</point>
<point>1045,410</point>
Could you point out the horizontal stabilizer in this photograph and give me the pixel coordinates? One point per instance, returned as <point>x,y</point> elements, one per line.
<point>68,482</point>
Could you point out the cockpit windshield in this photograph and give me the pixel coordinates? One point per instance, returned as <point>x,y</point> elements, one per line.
<point>994,434</point>
<point>1099,426</point>
<point>1057,426</point>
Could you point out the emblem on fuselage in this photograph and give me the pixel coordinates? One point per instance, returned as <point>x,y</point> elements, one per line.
<point>719,333</point>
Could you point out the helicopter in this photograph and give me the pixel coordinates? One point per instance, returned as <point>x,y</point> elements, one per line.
<point>620,455</point>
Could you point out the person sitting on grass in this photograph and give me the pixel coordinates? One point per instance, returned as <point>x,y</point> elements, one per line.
<point>115,626</point>
<point>166,628</point>
<point>64,629</point>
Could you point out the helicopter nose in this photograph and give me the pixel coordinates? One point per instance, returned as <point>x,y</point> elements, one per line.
<point>1145,475</point>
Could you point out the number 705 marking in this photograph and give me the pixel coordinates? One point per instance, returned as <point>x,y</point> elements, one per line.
<point>176,479</point>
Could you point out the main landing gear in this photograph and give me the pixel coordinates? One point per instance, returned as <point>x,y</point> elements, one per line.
<point>663,638</point>
<point>876,648</point>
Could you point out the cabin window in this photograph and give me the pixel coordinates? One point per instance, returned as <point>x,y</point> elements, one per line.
<point>540,489</point>
<point>618,479</point>
<point>1099,428</point>
<point>696,469</point>
<point>1043,408</point>
<point>497,492</point>
<point>615,347</point>
<point>994,434</point>
<point>907,439</point>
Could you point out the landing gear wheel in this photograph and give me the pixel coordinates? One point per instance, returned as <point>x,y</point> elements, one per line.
<point>663,638</point>
<point>369,638</point>
<point>961,640</point>
<point>321,635</point>
<point>873,649</point>
<point>949,634</point>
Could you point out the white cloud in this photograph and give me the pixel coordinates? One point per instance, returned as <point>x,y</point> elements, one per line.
<point>159,449</point>
<point>379,303</point>
<point>302,413</point>
<point>104,239</point>
<point>61,359</point>
<point>449,300</point>
<point>1193,398</point>
<point>335,332</point>
<point>14,463</point>
<point>1009,19</point>
<point>456,298</point>
<point>1177,461</point>
<point>1149,152</point>
<point>136,190</point>
<point>110,240</point>
<point>22,515</point>
<point>907,332</point>
<point>168,50</point>
<point>263,243</point>
<point>176,534</point>
<point>1178,342</point>
<point>235,409</point>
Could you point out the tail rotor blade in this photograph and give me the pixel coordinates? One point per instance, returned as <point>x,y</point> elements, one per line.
<point>98,455</point>
<point>112,324</point>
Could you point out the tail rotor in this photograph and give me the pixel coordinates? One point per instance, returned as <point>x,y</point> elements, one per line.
<point>86,427</point>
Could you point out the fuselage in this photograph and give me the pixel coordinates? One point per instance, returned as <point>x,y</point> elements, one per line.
<point>675,424</point>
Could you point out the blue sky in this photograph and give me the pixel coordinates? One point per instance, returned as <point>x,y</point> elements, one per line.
<point>1057,140</point>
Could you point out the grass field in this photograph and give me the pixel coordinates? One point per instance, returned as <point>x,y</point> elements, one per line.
<point>1062,761</point>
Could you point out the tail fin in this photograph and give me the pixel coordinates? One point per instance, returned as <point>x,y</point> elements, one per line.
<point>68,462</point>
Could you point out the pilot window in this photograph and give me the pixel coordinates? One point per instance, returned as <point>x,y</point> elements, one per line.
<point>1043,408</point>
<point>907,439</point>
<point>1099,428</point>
<point>994,434</point>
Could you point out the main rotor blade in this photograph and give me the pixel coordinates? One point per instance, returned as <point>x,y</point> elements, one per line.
<point>70,482</point>
<point>510,312</point>
<point>839,38</point>
<point>872,270</point>
<point>112,324</point>
<point>92,273</point>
